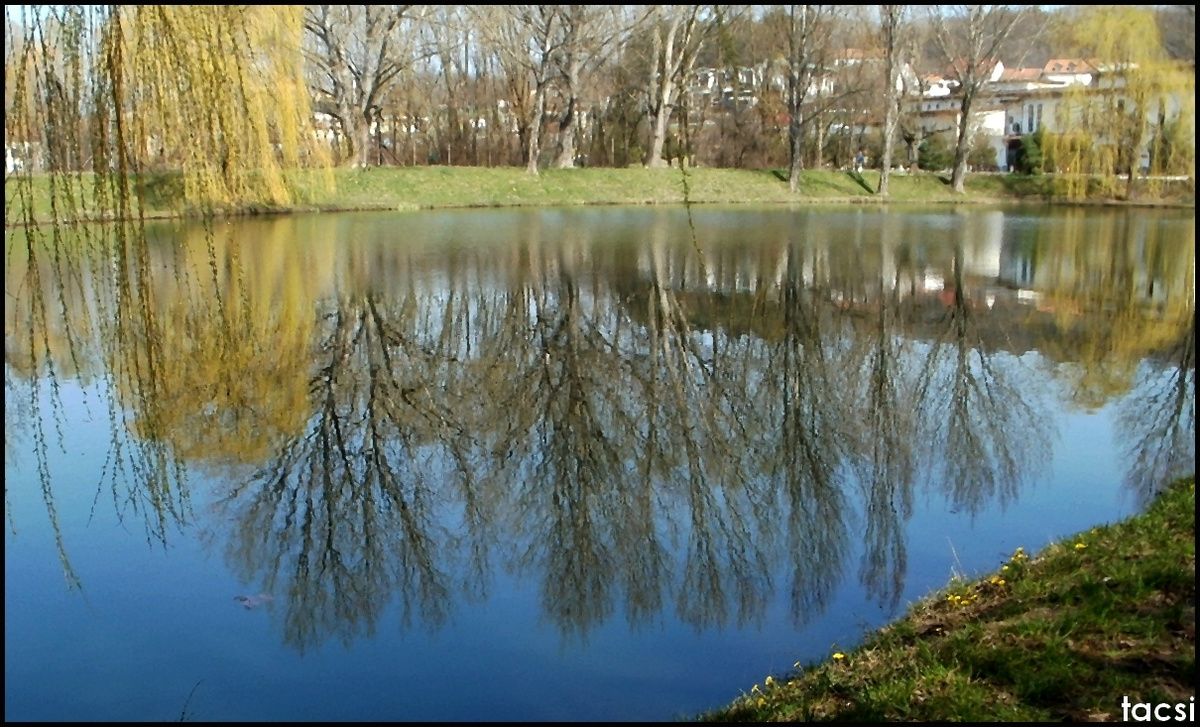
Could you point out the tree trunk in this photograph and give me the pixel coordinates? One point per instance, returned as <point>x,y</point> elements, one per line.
<point>796,136</point>
<point>568,126</point>
<point>535,132</point>
<point>358,134</point>
<point>891,16</point>
<point>889,135</point>
<point>1138,138</point>
<point>673,59</point>
<point>659,137</point>
<point>566,137</point>
<point>958,178</point>
<point>820,150</point>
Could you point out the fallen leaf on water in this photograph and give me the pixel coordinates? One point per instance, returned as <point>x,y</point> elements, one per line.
<point>249,602</point>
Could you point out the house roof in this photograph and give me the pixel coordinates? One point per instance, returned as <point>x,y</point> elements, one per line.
<point>983,66</point>
<point>1021,74</point>
<point>1069,65</point>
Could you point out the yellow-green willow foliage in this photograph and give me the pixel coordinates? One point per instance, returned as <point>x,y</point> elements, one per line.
<point>1121,290</point>
<point>207,103</point>
<point>1138,100</point>
<point>235,342</point>
<point>218,92</point>
<point>108,108</point>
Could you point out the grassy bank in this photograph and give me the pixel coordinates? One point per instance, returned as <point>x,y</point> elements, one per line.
<point>1064,634</point>
<point>391,188</point>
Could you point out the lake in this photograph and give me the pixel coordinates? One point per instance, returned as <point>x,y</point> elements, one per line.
<point>554,464</point>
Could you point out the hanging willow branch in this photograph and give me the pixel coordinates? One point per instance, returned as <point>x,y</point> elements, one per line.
<point>107,109</point>
<point>206,105</point>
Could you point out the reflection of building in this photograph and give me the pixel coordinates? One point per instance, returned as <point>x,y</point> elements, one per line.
<point>1084,269</point>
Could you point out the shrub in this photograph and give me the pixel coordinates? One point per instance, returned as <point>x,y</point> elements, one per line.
<point>1172,149</point>
<point>1029,158</point>
<point>935,154</point>
<point>982,156</point>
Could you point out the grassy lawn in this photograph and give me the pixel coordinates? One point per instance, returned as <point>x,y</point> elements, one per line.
<point>1061,635</point>
<point>391,188</point>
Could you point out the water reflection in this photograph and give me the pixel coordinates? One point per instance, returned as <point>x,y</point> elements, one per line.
<point>637,423</point>
<point>1159,422</point>
<point>974,402</point>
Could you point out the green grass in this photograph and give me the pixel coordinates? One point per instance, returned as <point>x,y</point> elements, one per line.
<point>1063,635</point>
<point>391,188</point>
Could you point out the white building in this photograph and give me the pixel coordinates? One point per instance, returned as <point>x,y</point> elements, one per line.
<point>1019,101</point>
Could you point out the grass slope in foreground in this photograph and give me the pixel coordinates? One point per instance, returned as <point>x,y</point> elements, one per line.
<point>1066,634</point>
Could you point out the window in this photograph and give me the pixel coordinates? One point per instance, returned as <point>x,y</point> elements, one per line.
<point>1029,117</point>
<point>1039,116</point>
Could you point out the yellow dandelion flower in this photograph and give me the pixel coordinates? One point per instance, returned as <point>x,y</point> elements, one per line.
<point>769,681</point>
<point>1080,546</point>
<point>1004,568</point>
<point>755,690</point>
<point>1000,582</point>
<point>762,702</point>
<point>839,656</point>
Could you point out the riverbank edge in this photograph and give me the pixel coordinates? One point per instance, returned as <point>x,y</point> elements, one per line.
<point>433,188</point>
<point>1085,630</point>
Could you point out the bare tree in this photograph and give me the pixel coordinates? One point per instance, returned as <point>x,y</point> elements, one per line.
<point>356,53</point>
<point>526,38</point>
<point>677,41</point>
<point>450,34</point>
<point>589,32</point>
<point>809,34</point>
<point>971,38</point>
<point>891,17</point>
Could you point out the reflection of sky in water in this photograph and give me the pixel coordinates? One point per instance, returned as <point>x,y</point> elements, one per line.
<point>151,622</point>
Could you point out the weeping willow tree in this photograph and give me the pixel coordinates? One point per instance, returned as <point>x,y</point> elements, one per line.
<point>204,104</point>
<point>109,111</point>
<point>1138,104</point>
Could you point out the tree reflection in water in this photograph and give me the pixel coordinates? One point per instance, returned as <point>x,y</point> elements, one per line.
<point>82,306</point>
<point>976,407</point>
<point>883,455</point>
<point>345,517</point>
<point>648,426</point>
<point>807,446</point>
<point>554,395</point>
<point>694,433</point>
<point>1122,296</point>
<point>1159,421</point>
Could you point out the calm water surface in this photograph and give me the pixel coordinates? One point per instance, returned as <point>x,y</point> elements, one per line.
<point>554,464</point>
